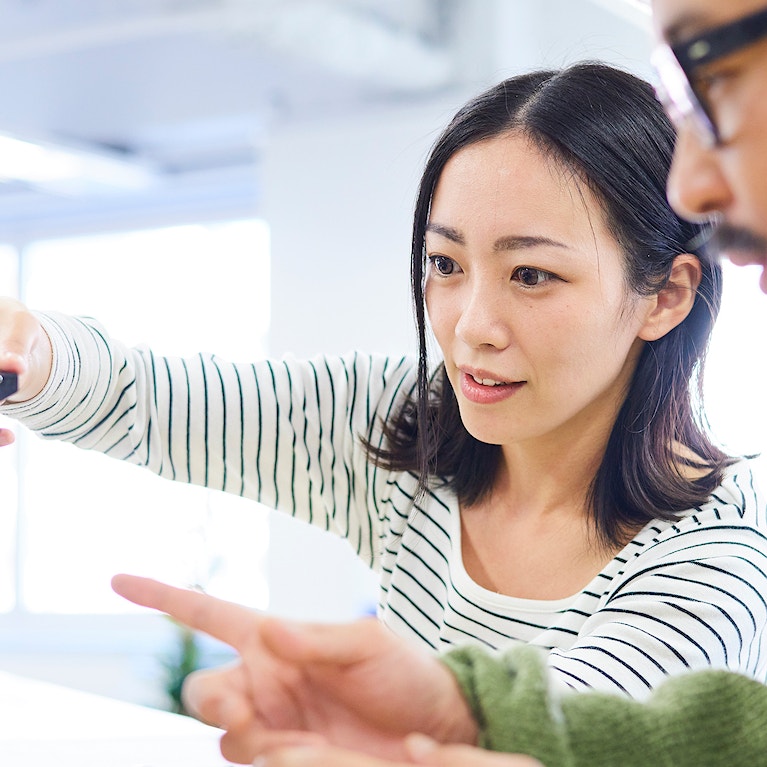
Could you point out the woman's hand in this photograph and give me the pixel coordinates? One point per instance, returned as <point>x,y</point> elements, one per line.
<point>25,350</point>
<point>355,686</point>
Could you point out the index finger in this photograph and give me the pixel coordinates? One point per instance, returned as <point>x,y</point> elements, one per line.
<point>229,622</point>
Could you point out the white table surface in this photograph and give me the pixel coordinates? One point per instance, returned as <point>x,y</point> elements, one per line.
<point>45,725</point>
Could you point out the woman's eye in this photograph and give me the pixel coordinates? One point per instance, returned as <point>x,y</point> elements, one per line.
<point>530,277</point>
<point>443,265</point>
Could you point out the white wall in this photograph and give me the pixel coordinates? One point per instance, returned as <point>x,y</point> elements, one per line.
<point>338,199</point>
<point>554,33</point>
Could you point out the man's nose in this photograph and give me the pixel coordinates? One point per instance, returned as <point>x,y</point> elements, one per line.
<point>696,185</point>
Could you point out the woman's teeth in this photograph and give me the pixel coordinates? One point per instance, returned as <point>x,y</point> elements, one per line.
<point>488,381</point>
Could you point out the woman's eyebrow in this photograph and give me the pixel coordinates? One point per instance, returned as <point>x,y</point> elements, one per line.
<point>513,242</point>
<point>509,242</point>
<point>448,232</point>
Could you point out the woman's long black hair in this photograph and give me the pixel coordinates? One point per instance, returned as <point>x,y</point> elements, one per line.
<point>605,126</point>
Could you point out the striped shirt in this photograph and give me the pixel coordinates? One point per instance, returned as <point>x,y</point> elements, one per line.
<point>684,595</point>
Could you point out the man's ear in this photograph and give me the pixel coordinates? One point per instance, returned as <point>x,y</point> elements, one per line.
<point>674,301</point>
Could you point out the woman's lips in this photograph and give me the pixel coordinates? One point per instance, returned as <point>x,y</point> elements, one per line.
<point>484,390</point>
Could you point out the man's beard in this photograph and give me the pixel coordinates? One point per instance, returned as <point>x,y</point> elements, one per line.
<point>727,239</point>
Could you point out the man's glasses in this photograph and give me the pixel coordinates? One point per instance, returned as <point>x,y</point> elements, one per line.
<point>675,66</point>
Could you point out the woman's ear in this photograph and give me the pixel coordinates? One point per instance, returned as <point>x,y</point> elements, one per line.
<point>674,301</point>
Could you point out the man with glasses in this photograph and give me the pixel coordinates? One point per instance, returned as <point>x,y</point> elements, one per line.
<point>711,68</point>
<point>712,78</point>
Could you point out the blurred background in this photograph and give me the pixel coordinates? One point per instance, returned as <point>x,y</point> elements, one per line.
<point>237,176</point>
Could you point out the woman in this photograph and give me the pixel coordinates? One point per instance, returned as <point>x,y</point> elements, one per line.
<point>547,481</point>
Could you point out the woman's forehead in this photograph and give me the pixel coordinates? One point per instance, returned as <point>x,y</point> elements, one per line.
<point>510,181</point>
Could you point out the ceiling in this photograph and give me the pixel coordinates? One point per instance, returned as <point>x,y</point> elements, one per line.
<point>182,94</point>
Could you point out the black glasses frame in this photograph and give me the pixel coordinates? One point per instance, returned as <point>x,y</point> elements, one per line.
<point>698,51</point>
<point>720,41</point>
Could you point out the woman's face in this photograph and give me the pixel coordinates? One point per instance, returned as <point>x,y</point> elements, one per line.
<point>527,298</point>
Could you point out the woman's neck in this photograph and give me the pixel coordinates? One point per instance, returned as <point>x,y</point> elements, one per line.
<point>547,476</point>
<point>532,536</point>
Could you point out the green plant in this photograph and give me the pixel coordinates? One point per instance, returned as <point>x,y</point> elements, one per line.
<point>185,658</point>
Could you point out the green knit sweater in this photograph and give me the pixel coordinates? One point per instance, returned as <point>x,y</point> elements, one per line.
<point>699,719</point>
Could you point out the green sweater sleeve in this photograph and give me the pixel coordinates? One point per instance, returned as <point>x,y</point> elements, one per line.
<point>699,719</point>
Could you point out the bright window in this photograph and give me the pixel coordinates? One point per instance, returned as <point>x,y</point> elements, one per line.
<point>736,370</point>
<point>83,516</point>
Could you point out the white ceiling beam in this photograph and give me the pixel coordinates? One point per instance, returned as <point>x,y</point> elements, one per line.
<point>347,42</point>
<point>70,170</point>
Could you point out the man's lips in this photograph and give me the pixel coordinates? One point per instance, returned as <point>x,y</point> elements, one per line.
<point>743,257</point>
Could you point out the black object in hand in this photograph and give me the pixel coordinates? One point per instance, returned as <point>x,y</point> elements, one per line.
<point>9,383</point>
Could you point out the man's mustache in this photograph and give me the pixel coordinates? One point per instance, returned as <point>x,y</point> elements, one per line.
<point>725,238</point>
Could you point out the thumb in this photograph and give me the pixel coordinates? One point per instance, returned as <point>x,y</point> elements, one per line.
<point>420,748</point>
<point>423,750</point>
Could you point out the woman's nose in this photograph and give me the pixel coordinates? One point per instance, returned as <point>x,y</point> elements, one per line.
<point>696,185</point>
<point>484,320</point>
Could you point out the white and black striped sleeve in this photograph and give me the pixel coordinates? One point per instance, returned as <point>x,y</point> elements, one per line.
<point>287,433</point>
